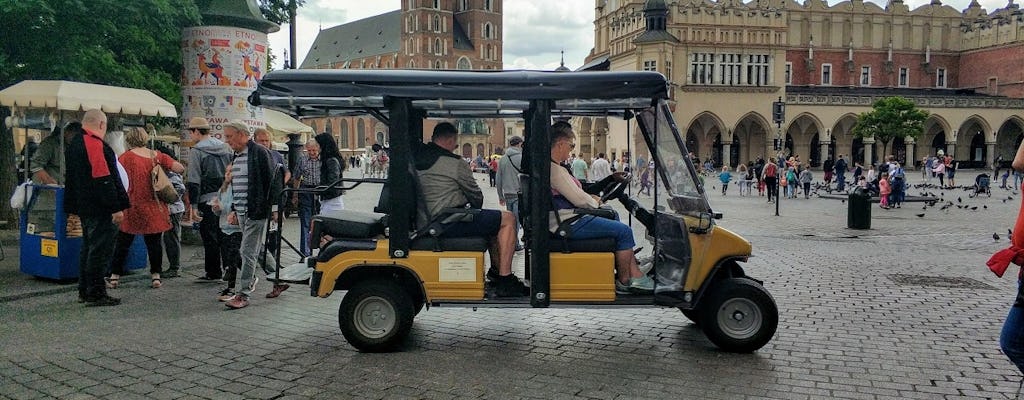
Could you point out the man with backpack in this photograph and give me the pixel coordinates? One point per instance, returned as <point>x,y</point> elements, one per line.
<point>770,176</point>
<point>897,179</point>
<point>840,169</point>
<point>207,162</point>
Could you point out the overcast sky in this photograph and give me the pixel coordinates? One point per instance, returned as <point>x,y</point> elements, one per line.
<point>535,30</point>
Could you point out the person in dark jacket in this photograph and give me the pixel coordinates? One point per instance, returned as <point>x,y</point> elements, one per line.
<point>255,180</point>
<point>96,194</point>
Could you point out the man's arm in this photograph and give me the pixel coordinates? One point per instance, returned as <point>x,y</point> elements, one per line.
<point>467,183</point>
<point>43,155</point>
<point>502,167</point>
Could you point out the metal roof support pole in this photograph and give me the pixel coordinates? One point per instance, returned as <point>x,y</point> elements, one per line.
<point>538,162</point>
<point>405,127</point>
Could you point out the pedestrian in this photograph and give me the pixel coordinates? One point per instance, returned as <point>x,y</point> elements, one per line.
<point>207,163</point>
<point>951,172</point>
<point>791,183</point>
<point>828,168</point>
<point>507,180</point>
<point>1011,339</point>
<point>645,178</point>
<point>1004,177</point>
<point>232,239</point>
<point>579,168</point>
<point>1017,178</point>
<point>940,172</point>
<point>47,161</point>
<point>899,184</point>
<point>172,238</point>
<point>148,215</point>
<point>926,169</point>
<point>805,179</point>
<point>884,190</point>
<point>331,170</point>
<point>98,197</point>
<point>744,178</point>
<point>307,176</point>
<point>769,181</point>
<point>263,138</point>
<point>254,184</point>
<point>724,177</point>
<point>492,170</point>
<point>840,170</point>
<point>599,169</point>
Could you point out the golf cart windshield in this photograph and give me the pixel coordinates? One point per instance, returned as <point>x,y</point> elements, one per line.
<point>674,167</point>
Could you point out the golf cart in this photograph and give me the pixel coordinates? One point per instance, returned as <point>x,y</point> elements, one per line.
<point>391,267</point>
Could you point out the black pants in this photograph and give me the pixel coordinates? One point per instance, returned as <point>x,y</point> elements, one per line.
<point>771,183</point>
<point>154,250</point>
<point>209,230</point>
<point>229,247</point>
<point>97,246</point>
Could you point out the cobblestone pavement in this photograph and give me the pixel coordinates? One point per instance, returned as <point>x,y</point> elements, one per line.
<point>850,327</point>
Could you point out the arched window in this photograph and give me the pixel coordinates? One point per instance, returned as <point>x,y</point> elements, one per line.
<point>343,134</point>
<point>380,138</point>
<point>463,5</point>
<point>437,4</point>
<point>437,23</point>
<point>437,47</point>
<point>412,64</point>
<point>487,5</point>
<point>464,63</point>
<point>361,133</point>
<point>437,64</point>
<point>329,126</point>
<point>487,30</point>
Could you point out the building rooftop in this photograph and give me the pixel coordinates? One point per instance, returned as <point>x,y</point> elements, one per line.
<point>358,39</point>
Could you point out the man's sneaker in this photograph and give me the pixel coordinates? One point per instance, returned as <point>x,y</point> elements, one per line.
<point>277,291</point>
<point>641,285</point>
<point>492,275</point>
<point>226,295</point>
<point>102,301</point>
<point>510,286</point>
<point>171,273</point>
<point>239,301</point>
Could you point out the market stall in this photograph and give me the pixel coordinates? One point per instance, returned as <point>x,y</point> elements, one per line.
<point>50,241</point>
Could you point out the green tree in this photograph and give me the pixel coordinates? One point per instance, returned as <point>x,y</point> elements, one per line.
<point>890,118</point>
<point>277,11</point>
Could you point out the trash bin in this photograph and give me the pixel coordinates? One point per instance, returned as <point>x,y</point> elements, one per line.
<point>858,211</point>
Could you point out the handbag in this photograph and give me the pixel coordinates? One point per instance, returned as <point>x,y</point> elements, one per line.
<point>163,190</point>
<point>21,195</point>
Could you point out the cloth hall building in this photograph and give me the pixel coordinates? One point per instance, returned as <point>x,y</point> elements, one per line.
<point>728,61</point>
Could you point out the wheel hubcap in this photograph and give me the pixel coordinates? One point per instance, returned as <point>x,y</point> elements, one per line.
<point>740,318</point>
<point>374,317</point>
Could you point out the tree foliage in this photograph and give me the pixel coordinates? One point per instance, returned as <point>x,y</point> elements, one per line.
<point>890,118</point>
<point>277,11</point>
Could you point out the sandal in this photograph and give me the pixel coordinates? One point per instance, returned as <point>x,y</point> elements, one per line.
<point>157,283</point>
<point>111,283</point>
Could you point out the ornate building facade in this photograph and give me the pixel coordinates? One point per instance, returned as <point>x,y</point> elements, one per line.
<point>728,61</point>
<point>423,34</point>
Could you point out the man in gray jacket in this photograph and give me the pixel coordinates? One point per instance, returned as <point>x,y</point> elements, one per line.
<point>508,180</point>
<point>447,182</point>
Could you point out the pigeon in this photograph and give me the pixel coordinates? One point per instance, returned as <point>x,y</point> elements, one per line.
<point>924,208</point>
<point>995,236</point>
<point>921,215</point>
<point>985,207</point>
<point>843,201</point>
<point>959,200</point>
<point>974,208</point>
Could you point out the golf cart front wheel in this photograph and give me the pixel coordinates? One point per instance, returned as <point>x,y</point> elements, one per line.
<point>739,315</point>
<point>375,316</point>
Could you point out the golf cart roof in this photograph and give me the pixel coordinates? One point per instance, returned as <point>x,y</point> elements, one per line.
<point>449,94</point>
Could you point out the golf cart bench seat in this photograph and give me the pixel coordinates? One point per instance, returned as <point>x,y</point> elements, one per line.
<point>351,224</point>
<point>600,245</point>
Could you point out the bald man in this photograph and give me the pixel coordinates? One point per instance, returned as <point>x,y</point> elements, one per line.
<point>95,193</point>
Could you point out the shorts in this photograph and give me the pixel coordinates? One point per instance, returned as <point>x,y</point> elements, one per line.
<point>484,224</point>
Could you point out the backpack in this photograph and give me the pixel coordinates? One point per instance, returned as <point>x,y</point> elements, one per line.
<point>769,171</point>
<point>211,171</point>
<point>898,174</point>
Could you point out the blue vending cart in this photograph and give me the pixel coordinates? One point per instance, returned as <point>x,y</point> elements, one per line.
<point>50,246</point>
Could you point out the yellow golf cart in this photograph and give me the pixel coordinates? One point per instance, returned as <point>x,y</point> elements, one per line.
<point>391,267</point>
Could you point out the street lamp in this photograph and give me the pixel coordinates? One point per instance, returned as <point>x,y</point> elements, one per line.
<point>778,116</point>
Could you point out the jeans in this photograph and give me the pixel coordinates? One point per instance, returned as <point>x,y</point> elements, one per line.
<point>512,205</point>
<point>123,244</point>
<point>1011,340</point>
<point>209,230</point>
<point>172,243</point>
<point>840,181</point>
<point>230,248</point>
<point>253,236</point>
<point>97,246</point>
<point>306,204</point>
<point>591,227</point>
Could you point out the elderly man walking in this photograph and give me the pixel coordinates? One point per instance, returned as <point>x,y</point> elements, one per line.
<point>307,176</point>
<point>96,194</point>
<point>254,184</point>
<point>507,180</point>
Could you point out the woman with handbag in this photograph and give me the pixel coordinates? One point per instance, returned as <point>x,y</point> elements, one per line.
<point>148,215</point>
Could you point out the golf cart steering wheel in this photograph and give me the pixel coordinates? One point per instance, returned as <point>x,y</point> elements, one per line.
<point>617,188</point>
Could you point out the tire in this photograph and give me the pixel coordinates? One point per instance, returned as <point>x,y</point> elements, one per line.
<point>693,315</point>
<point>376,316</point>
<point>739,315</point>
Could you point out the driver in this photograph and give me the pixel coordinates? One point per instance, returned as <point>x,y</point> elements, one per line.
<point>568,194</point>
<point>447,183</point>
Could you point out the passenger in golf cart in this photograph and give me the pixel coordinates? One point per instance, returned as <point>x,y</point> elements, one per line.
<point>445,183</point>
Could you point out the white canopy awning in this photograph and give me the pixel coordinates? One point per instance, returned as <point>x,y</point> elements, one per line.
<point>75,96</point>
<point>281,123</point>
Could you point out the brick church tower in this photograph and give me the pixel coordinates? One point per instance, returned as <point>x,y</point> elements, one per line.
<point>451,34</point>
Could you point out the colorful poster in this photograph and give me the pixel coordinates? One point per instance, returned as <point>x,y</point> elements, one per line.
<point>222,65</point>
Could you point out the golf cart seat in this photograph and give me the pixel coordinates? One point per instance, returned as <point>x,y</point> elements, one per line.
<point>350,224</point>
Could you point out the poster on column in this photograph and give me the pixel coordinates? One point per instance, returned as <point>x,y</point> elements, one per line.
<point>221,67</point>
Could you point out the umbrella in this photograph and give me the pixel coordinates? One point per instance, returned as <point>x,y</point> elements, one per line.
<point>75,96</point>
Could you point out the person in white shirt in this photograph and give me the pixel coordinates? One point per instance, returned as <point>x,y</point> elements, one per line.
<point>600,168</point>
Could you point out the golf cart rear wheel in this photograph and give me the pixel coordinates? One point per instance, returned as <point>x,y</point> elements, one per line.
<point>375,316</point>
<point>739,315</point>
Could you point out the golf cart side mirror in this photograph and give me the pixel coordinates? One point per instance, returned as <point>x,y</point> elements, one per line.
<point>704,222</point>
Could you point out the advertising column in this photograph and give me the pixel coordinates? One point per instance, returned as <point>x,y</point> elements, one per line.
<point>222,65</point>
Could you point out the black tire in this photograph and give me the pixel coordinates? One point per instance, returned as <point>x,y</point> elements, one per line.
<point>693,315</point>
<point>739,315</point>
<point>418,306</point>
<point>376,316</point>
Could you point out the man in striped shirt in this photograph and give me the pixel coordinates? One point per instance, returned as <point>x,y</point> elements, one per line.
<point>254,182</point>
<point>308,176</point>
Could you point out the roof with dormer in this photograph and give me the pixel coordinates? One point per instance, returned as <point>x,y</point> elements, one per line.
<point>371,36</point>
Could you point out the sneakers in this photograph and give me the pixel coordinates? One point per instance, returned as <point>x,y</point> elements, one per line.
<point>277,291</point>
<point>641,285</point>
<point>226,294</point>
<point>171,273</point>
<point>492,275</point>
<point>104,301</point>
<point>238,301</point>
<point>510,286</point>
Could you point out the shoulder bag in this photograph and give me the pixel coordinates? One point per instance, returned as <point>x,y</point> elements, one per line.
<point>163,190</point>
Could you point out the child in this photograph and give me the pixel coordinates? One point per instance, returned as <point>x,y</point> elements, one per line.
<point>229,246</point>
<point>884,189</point>
<point>725,177</point>
<point>791,183</point>
<point>1005,176</point>
<point>645,180</point>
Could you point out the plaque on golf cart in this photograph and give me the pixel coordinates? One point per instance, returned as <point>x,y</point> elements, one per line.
<point>456,270</point>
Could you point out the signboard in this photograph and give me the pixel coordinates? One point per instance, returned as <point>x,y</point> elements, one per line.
<point>48,248</point>
<point>456,270</point>
<point>221,66</point>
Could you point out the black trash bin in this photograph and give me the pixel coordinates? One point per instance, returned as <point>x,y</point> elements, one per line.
<point>858,211</point>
